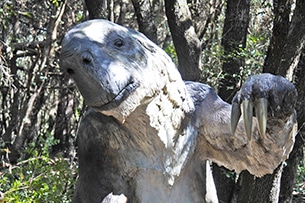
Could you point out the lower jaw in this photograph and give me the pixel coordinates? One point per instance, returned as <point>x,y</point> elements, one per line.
<point>119,98</point>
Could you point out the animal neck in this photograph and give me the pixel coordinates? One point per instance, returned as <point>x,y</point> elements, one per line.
<point>173,127</point>
<point>167,119</point>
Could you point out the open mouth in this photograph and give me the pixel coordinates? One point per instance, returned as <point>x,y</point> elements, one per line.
<point>119,98</point>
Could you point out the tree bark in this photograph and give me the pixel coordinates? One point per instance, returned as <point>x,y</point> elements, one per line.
<point>282,10</point>
<point>225,182</point>
<point>145,18</point>
<point>187,44</point>
<point>110,8</point>
<point>295,41</point>
<point>251,189</point>
<point>289,173</point>
<point>62,126</point>
<point>290,170</point>
<point>95,8</point>
<point>284,54</point>
<point>233,39</point>
<point>27,124</point>
<point>123,12</point>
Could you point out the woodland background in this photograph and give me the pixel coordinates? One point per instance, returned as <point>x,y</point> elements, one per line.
<point>213,41</point>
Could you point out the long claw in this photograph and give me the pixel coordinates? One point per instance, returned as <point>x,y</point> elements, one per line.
<point>235,115</point>
<point>247,107</point>
<point>261,106</point>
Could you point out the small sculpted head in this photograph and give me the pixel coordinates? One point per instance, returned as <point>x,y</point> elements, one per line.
<point>116,68</point>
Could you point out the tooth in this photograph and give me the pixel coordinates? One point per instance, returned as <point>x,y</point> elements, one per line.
<point>261,115</point>
<point>247,110</point>
<point>235,115</point>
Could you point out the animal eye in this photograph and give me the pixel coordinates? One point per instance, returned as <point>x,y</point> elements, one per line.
<point>118,42</point>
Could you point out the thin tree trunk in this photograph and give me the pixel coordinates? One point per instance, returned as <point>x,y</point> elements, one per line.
<point>187,44</point>
<point>145,17</point>
<point>110,8</point>
<point>96,8</point>
<point>289,173</point>
<point>123,11</point>
<point>27,124</point>
<point>282,10</point>
<point>61,125</point>
<point>284,54</point>
<point>233,39</point>
<point>295,41</point>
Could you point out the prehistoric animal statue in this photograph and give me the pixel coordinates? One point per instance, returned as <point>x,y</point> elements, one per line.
<point>147,134</point>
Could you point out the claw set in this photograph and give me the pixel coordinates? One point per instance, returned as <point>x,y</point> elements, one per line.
<point>246,109</point>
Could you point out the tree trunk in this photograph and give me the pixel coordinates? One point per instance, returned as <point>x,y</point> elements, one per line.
<point>187,44</point>
<point>252,190</point>
<point>225,182</point>
<point>282,10</point>
<point>145,17</point>
<point>110,8</point>
<point>95,8</point>
<point>123,12</point>
<point>27,128</point>
<point>233,39</point>
<point>289,173</point>
<point>62,128</point>
<point>283,56</point>
<point>295,41</point>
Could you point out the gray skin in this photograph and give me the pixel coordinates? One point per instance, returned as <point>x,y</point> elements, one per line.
<point>147,134</point>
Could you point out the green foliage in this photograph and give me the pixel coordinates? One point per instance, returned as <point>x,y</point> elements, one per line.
<point>55,2</point>
<point>229,174</point>
<point>39,178</point>
<point>212,64</point>
<point>170,50</point>
<point>79,16</point>
<point>6,12</point>
<point>300,179</point>
<point>37,102</point>
<point>253,56</point>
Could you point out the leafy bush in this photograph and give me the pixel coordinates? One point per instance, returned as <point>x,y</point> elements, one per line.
<point>39,178</point>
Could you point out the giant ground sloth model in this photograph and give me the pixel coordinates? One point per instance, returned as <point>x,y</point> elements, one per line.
<point>148,133</point>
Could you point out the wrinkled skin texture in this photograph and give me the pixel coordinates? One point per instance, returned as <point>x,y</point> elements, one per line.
<point>147,134</point>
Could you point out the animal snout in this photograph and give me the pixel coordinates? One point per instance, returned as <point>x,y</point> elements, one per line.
<point>86,60</point>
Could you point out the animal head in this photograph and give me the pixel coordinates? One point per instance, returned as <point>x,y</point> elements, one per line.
<point>117,69</point>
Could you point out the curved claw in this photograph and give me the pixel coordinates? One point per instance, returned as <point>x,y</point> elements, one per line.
<point>247,109</point>
<point>261,106</point>
<point>235,115</point>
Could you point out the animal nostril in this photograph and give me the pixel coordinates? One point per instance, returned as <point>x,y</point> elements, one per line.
<point>70,71</point>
